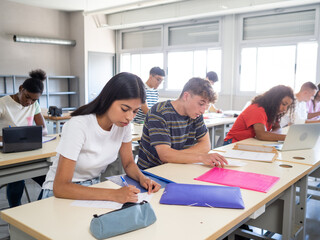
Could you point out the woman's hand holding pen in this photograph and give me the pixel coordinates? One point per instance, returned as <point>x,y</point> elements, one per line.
<point>127,194</point>
<point>214,160</point>
<point>150,185</point>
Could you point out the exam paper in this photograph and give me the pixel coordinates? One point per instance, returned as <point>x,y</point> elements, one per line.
<point>247,155</point>
<point>231,162</point>
<point>108,204</point>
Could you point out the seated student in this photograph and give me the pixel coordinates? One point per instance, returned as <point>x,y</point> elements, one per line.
<point>174,131</point>
<point>22,109</point>
<point>313,106</point>
<point>306,93</point>
<point>262,116</point>
<point>151,86</point>
<point>91,140</point>
<point>212,77</point>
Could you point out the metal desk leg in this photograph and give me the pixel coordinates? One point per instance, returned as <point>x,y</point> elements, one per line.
<point>58,127</point>
<point>301,211</point>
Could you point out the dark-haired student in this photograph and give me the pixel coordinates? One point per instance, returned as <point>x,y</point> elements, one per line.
<point>262,116</point>
<point>212,77</point>
<point>313,106</point>
<point>92,139</point>
<point>174,131</point>
<point>156,76</point>
<point>22,109</point>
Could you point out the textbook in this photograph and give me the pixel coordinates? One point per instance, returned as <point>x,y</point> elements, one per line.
<point>202,196</point>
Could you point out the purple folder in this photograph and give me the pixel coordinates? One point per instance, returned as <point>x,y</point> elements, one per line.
<point>202,196</point>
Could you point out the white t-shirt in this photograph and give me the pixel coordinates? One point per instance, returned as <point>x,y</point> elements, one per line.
<point>300,115</point>
<point>14,114</point>
<point>93,148</point>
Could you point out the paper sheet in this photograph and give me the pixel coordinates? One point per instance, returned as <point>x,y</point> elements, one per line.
<point>247,155</point>
<point>231,162</point>
<point>108,204</point>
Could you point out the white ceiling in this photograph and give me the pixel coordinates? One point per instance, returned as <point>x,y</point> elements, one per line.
<point>89,5</point>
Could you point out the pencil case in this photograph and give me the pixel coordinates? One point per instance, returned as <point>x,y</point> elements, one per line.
<point>132,216</point>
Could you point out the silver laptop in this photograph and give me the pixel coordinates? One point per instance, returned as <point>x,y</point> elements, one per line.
<point>300,136</point>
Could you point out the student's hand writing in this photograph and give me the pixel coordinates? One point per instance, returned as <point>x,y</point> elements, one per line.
<point>150,185</point>
<point>214,160</point>
<point>127,194</point>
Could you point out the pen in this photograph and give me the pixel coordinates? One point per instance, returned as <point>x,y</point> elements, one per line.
<point>124,181</point>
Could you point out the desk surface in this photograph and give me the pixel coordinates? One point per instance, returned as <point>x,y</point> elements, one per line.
<point>309,157</point>
<point>54,218</point>
<point>48,150</point>
<point>65,116</point>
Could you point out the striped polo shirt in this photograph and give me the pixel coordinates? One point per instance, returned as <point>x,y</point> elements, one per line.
<point>152,97</point>
<point>163,125</point>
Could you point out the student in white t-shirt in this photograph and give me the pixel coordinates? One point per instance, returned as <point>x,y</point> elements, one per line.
<point>22,109</point>
<point>91,140</point>
<point>306,93</point>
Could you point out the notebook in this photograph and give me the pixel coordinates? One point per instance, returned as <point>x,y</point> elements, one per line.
<point>202,196</point>
<point>299,136</point>
<point>19,139</point>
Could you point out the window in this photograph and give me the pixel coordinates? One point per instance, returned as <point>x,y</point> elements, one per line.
<point>141,39</point>
<point>187,64</point>
<point>278,48</point>
<point>194,34</point>
<point>265,67</point>
<point>140,64</point>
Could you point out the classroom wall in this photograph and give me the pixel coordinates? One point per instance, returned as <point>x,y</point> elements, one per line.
<point>20,58</point>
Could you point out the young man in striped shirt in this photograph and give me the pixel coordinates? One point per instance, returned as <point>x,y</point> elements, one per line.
<point>155,78</point>
<point>174,131</point>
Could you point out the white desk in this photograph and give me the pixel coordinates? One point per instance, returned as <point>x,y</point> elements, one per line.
<point>218,127</point>
<point>55,219</point>
<point>29,164</point>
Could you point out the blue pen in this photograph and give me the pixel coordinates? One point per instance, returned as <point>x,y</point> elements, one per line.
<point>124,181</point>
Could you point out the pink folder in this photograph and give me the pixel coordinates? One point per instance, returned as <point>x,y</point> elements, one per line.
<point>245,180</point>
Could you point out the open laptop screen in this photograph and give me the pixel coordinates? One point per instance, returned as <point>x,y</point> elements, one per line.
<point>18,139</point>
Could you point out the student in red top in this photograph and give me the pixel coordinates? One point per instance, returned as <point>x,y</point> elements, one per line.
<point>262,116</point>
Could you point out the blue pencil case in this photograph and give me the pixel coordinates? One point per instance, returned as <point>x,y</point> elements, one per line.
<point>132,216</point>
<point>202,196</point>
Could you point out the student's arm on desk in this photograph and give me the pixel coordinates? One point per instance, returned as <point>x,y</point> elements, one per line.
<point>262,133</point>
<point>64,188</point>
<point>312,115</point>
<point>312,121</point>
<point>39,120</point>
<point>133,171</point>
<point>195,154</point>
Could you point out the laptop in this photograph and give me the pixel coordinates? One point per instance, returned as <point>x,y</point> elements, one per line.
<point>299,137</point>
<point>19,139</point>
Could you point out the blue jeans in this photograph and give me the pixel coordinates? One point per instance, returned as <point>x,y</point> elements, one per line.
<point>15,191</point>
<point>49,193</point>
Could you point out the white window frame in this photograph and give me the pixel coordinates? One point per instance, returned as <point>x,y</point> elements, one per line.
<point>165,48</point>
<point>273,41</point>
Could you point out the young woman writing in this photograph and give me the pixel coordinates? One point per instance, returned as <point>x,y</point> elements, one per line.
<point>91,140</point>
<point>262,116</point>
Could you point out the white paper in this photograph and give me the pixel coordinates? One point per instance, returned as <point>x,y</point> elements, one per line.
<point>108,204</point>
<point>247,155</point>
<point>231,163</point>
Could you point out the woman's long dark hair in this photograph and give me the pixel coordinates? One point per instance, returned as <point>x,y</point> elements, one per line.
<point>314,102</point>
<point>34,84</point>
<point>122,86</point>
<point>272,99</point>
